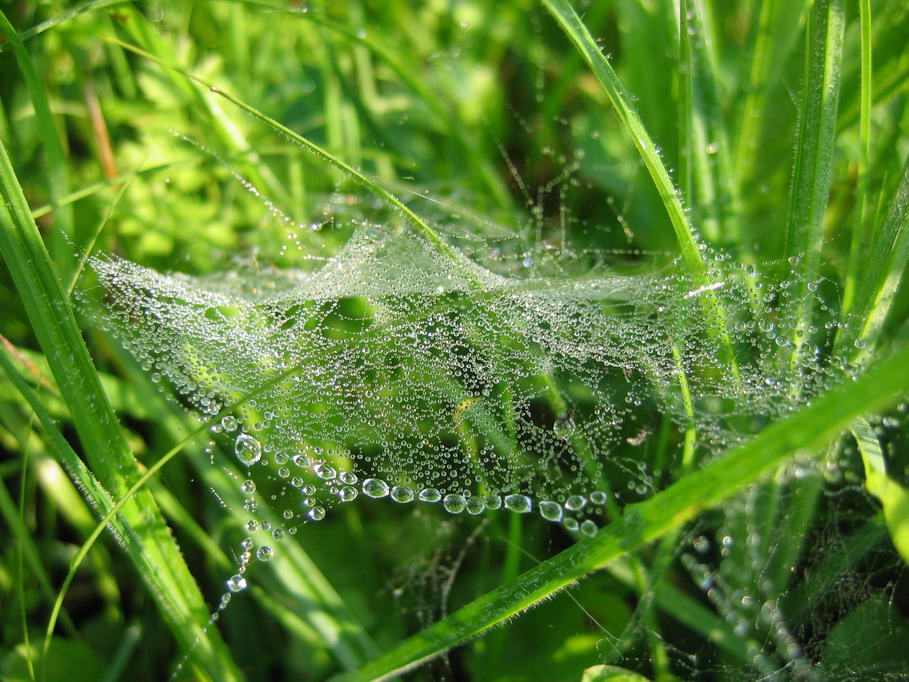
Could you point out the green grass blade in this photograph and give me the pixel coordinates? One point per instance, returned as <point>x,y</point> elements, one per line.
<point>893,497</point>
<point>858,230</point>
<point>813,163</point>
<point>621,100</point>
<point>58,176</point>
<point>156,556</point>
<point>705,172</point>
<point>889,251</point>
<point>810,428</point>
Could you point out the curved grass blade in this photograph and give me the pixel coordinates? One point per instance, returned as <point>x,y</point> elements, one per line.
<point>621,100</point>
<point>57,175</point>
<point>154,553</point>
<point>893,497</point>
<point>810,428</point>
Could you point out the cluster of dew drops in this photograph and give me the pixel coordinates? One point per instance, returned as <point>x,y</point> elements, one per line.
<point>346,486</point>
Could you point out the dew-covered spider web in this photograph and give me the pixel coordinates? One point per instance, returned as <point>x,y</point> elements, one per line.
<point>485,377</point>
<point>393,369</point>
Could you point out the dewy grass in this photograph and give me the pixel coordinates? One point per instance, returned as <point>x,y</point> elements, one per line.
<point>448,368</point>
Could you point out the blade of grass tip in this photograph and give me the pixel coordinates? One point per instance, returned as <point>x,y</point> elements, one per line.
<point>152,548</point>
<point>807,429</point>
<point>858,228</point>
<point>893,497</point>
<point>813,162</point>
<point>422,227</point>
<point>577,32</point>
<point>889,251</point>
<point>65,16</point>
<point>57,175</point>
<point>87,250</point>
<point>96,187</point>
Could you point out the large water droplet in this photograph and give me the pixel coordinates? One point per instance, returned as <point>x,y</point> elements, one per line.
<point>236,583</point>
<point>575,503</point>
<point>247,449</point>
<point>551,511</point>
<point>317,513</point>
<point>454,503</point>
<point>518,503</point>
<point>402,494</point>
<point>264,553</point>
<point>476,505</point>
<point>375,487</point>
<point>229,423</point>
<point>598,497</point>
<point>430,495</point>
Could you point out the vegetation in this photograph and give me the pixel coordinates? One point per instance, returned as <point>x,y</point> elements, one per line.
<point>746,162</point>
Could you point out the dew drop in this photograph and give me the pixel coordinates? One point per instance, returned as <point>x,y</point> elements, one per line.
<point>551,511</point>
<point>454,503</point>
<point>264,553</point>
<point>375,487</point>
<point>518,503</point>
<point>430,495</point>
<point>589,528</point>
<point>317,513</point>
<point>476,505</point>
<point>248,486</point>
<point>598,497</point>
<point>402,494</point>
<point>236,583</point>
<point>575,503</point>
<point>229,423</point>
<point>247,449</point>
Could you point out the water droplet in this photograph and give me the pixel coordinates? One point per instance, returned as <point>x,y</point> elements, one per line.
<point>248,486</point>
<point>264,553</point>
<point>454,503</point>
<point>598,497</point>
<point>430,495</point>
<point>348,478</point>
<point>402,494</point>
<point>325,471</point>
<point>236,583</point>
<point>247,449</point>
<point>375,487</point>
<point>575,503</point>
<point>518,503</point>
<point>348,493</point>
<point>570,523</point>
<point>317,513</point>
<point>551,511</point>
<point>476,505</point>
<point>493,502</point>
<point>589,528</point>
<point>229,423</point>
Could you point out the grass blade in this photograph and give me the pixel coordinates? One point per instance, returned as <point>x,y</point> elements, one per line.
<point>813,163</point>
<point>893,497</point>
<point>807,429</point>
<point>156,556</point>
<point>58,180</point>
